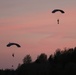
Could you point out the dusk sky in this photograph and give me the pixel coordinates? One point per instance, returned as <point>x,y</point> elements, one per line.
<point>31,24</point>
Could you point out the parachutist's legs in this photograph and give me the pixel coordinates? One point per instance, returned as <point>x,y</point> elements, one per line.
<point>58,21</point>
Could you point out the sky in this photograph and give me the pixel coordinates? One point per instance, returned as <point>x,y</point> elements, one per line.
<point>31,24</point>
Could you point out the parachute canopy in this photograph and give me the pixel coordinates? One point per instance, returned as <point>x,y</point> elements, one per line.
<point>10,44</point>
<point>56,10</point>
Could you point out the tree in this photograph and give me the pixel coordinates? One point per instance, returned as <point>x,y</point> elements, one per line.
<point>51,59</point>
<point>27,59</point>
<point>41,58</point>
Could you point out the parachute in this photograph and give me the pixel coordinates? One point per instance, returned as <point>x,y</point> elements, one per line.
<point>10,44</point>
<point>56,10</point>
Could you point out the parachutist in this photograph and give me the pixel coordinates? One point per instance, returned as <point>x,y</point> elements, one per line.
<point>13,54</point>
<point>57,21</point>
<point>58,10</point>
<point>12,65</point>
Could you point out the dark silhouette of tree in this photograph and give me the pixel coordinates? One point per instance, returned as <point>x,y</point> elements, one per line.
<point>62,62</point>
<point>18,65</point>
<point>42,58</point>
<point>27,59</point>
<point>57,55</point>
<point>50,59</point>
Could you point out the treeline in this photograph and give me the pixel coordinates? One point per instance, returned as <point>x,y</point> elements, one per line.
<point>62,62</point>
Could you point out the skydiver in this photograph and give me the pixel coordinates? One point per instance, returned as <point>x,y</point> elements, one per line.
<point>13,54</point>
<point>12,65</point>
<point>57,21</point>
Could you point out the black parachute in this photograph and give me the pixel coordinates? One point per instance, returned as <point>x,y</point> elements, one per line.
<point>10,44</point>
<point>56,10</point>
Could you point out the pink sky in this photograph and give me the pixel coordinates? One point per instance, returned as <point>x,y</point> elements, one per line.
<point>35,29</point>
